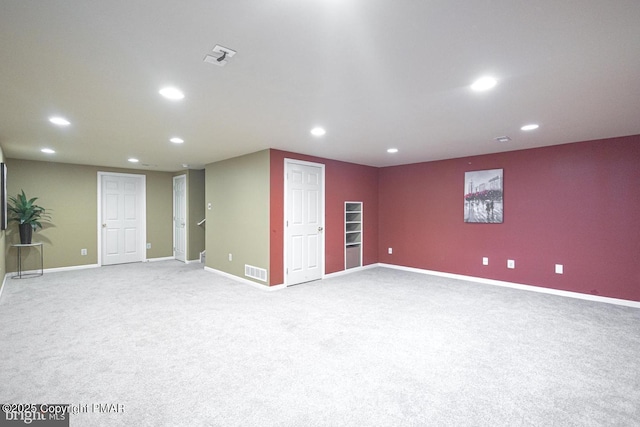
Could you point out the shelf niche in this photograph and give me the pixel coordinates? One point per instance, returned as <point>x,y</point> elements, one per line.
<point>352,234</point>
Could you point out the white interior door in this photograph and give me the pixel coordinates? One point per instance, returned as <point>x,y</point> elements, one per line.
<point>304,221</point>
<point>122,218</point>
<point>179,217</point>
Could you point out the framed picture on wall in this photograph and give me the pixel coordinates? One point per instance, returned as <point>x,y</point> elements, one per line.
<point>3,196</point>
<point>483,201</point>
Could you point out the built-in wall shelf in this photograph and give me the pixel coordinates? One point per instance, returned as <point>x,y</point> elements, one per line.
<point>352,234</point>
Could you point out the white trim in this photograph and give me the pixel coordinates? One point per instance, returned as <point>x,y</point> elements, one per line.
<point>70,268</point>
<point>55,270</point>
<point>143,211</point>
<point>191,261</point>
<point>166,258</point>
<point>569,294</point>
<point>285,246</point>
<point>351,270</point>
<point>4,281</point>
<point>245,281</point>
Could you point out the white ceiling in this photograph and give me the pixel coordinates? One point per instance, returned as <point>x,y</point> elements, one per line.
<point>376,74</point>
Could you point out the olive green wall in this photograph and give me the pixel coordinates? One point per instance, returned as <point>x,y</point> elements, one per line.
<point>195,213</point>
<point>238,221</point>
<point>71,192</point>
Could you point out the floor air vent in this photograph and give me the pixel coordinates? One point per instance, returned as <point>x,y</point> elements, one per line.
<point>255,272</point>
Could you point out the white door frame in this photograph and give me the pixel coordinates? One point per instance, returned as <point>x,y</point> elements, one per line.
<point>143,211</point>
<point>186,237</point>
<point>287,162</point>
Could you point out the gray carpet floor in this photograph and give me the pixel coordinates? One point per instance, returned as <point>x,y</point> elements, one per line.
<point>179,346</point>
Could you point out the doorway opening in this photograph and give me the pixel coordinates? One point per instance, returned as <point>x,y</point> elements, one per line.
<point>180,217</point>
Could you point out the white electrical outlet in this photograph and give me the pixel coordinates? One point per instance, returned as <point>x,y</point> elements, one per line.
<point>559,269</point>
<point>83,251</point>
<point>390,251</point>
<point>209,206</point>
<point>230,257</point>
<point>511,263</point>
<point>485,260</point>
<point>148,245</point>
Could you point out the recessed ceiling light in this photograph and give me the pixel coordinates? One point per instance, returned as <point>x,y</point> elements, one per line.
<point>171,93</point>
<point>60,121</point>
<point>318,131</point>
<point>48,151</point>
<point>484,83</point>
<point>530,127</point>
<point>133,160</point>
<point>392,150</point>
<point>177,140</point>
<point>503,139</point>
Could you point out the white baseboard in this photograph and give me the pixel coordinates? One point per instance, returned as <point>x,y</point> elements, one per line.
<point>82,267</point>
<point>55,269</point>
<point>4,280</point>
<point>70,268</point>
<point>330,275</point>
<point>334,274</point>
<point>166,258</point>
<point>245,281</point>
<point>351,270</point>
<point>569,294</point>
<point>192,261</point>
<point>531,288</point>
<point>47,270</point>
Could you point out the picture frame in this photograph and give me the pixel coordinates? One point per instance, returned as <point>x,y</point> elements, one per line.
<point>484,196</point>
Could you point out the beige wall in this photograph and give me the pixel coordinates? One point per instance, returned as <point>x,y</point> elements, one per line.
<point>71,192</point>
<point>238,222</point>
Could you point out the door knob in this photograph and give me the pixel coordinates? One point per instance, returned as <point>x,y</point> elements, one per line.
<point>104,225</point>
<point>320,229</point>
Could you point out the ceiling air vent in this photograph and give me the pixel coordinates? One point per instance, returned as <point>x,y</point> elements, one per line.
<point>219,56</point>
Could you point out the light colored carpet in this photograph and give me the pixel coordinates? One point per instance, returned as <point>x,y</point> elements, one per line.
<point>179,346</point>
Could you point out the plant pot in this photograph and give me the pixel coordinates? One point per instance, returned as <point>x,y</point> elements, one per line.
<point>26,231</point>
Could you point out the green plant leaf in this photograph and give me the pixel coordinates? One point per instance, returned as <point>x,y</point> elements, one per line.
<point>25,211</point>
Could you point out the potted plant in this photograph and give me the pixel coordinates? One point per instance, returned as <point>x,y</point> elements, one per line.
<point>27,214</point>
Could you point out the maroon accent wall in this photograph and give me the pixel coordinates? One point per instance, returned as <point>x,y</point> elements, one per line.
<point>343,182</point>
<point>575,204</point>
